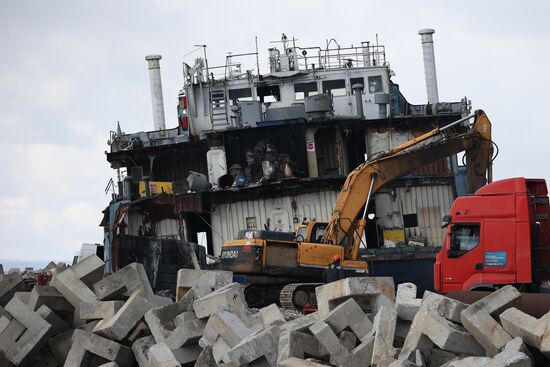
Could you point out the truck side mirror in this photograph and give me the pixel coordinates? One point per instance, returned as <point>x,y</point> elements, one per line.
<point>445,221</point>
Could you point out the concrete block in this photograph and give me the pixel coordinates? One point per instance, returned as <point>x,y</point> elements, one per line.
<point>262,344</point>
<point>24,335</point>
<point>384,328</point>
<point>324,334</point>
<point>127,317</point>
<point>10,284</point>
<point>60,346</point>
<point>161,356</point>
<point>85,343</point>
<point>534,332</point>
<point>49,296</point>
<point>220,352</point>
<point>478,319</point>
<point>211,279</point>
<point>349,314</point>
<point>406,303</point>
<point>187,356</point>
<point>362,354</point>
<point>438,357</point>
<point>444,306</point>
<point>300,324</point>
<point>297,362</point>
<point>302,344</point>
<point>123,283</point>
<point>375,292</point>
<point>173,326</point>
<point>140,331</point>
<point>141,350</point>
<point>109,364</point>
<point>449,336</point>
<point>271,316</point>
<point>59,326</point>
<point>186,302</point>
<point>225,325</point>
<point>510,356</point>
<point>206,358</point>
<point>431,303</point>
<point>186,334</point>
<point>99,310</point>
<point>229,298</point>
<point>74,283</point>
<point>348,339</point>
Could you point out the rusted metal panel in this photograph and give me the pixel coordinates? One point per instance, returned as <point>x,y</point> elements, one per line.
<point>430,204</point>
<point>188,203</point>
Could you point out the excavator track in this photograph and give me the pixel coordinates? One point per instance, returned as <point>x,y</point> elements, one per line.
<point>295,295</point>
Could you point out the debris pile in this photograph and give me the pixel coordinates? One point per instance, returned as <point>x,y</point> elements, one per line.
<point>86,319</point>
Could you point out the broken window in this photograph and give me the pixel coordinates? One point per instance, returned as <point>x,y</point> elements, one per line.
<point>269,93</point>
<point>303,90</point>
<point>241,94</point>
<point>410,220</point>
<point>375,84</point>
<point>335,87</point>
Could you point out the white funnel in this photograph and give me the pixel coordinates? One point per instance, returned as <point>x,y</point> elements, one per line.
<point>426,39</point>
<point>156,91</point>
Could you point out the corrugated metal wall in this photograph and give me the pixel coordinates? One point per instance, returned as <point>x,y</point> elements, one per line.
<point>228,219</point>
<point>430,203</point>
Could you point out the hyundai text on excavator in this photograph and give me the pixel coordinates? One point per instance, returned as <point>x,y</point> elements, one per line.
<point>282,267</point>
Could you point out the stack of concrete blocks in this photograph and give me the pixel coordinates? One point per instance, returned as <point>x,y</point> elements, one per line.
<point>86,319</point>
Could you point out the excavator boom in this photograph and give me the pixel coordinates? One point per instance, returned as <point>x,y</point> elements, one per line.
<point>365,180</point>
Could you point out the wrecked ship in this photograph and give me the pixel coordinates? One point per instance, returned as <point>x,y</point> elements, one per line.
<point>256,148</point>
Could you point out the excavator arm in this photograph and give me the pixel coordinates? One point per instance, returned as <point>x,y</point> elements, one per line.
<point>344,228</point>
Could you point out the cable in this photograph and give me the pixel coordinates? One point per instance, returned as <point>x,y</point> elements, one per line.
<point>190,52</point>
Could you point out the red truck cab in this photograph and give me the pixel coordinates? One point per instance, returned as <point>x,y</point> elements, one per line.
<point>498,236</point>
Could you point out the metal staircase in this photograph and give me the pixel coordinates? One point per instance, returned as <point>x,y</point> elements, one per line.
<point>218,107</point>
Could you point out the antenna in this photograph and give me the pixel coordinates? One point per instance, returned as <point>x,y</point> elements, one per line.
<point>257,59</point>
<point>205,61</point>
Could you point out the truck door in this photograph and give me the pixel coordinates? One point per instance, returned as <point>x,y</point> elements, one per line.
<point>462,264</point>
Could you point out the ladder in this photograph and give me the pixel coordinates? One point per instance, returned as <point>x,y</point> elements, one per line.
<point>218,107</point>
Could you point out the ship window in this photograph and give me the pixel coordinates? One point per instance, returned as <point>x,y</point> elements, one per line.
<point>375,84</point>
<point>335,87</point>
<point>269,93</point>
<point>303,90</point>
<point>464,238</point>
<point>242,94</point>
<point>353,81</point>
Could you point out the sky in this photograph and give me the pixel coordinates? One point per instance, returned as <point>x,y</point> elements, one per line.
<point>71,69</point>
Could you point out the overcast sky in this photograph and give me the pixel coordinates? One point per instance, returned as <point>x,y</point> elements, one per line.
<point>69,70</point>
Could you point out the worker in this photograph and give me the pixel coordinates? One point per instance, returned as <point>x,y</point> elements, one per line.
<point>334,271</point>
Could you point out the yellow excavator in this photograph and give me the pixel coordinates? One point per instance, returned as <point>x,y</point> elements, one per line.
<point>286,267</point>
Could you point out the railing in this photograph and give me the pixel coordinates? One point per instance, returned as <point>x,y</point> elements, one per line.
<point>365,55</point>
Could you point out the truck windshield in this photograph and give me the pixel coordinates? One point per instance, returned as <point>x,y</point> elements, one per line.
<point>465,237</point>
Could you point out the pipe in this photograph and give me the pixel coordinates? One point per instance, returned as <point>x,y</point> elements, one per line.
<point>156,91</point>
<point>312,169</point>
<point>358,88</point>
<point>426,40</point>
